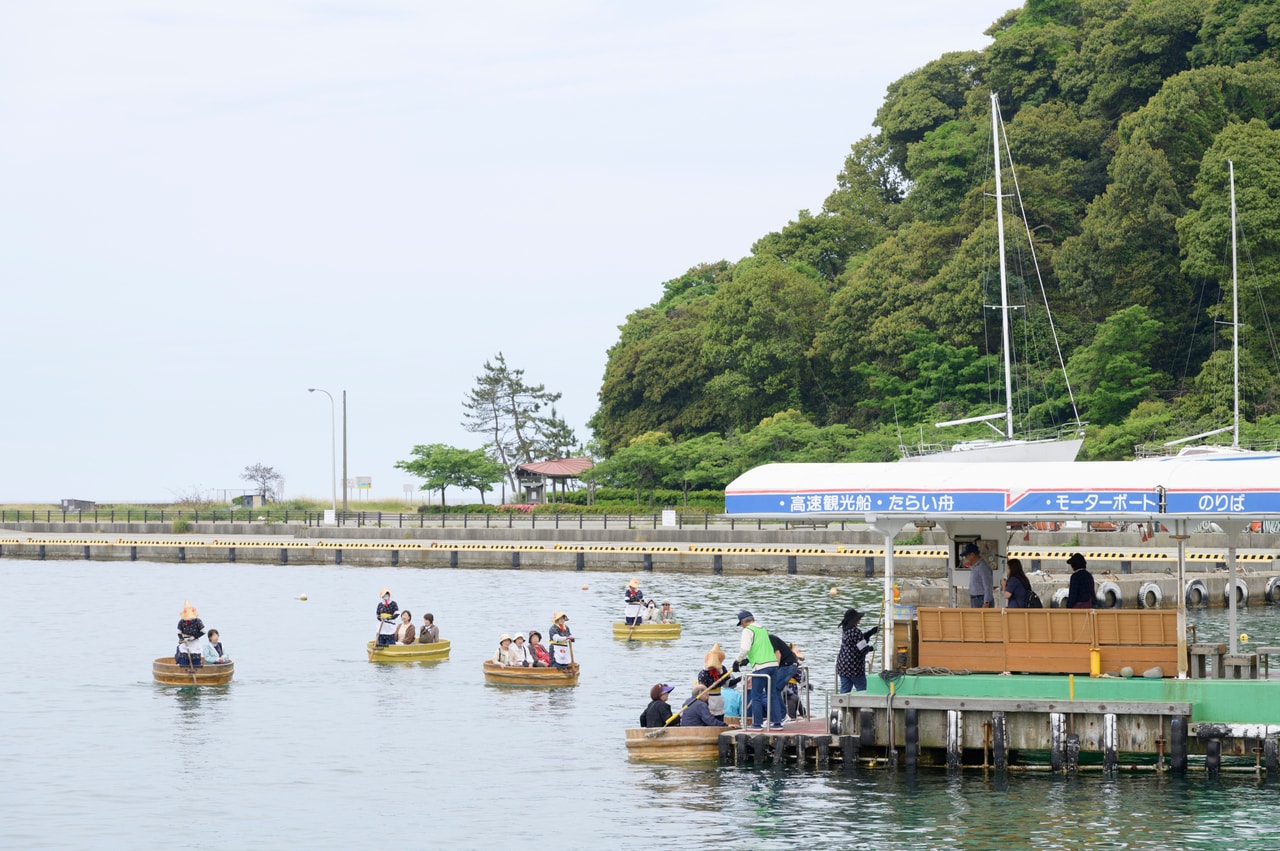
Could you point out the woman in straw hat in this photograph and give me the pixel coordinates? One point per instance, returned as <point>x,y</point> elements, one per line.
<point>560,639</point>
<point>387,610</point>
<point>190,650</point>
<point>634,597</point>
<point>712,670</point>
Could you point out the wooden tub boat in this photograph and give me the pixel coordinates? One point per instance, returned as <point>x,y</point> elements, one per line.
<point>675,743</point>
<point>647,631</point>
<point>170,673</point>
<point>408,652</point>
<point>503,675</point>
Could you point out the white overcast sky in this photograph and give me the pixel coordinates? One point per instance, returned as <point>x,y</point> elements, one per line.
<point>208,206</point>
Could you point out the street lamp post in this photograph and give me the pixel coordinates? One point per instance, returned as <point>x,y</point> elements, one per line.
<point>333,444</point>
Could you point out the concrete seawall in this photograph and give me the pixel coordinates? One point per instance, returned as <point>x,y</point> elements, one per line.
<point>1129,572</point>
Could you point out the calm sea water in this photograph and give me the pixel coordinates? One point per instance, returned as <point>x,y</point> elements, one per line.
<point>313,746</point>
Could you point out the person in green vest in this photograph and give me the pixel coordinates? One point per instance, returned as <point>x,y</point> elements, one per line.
<point>756,649</point>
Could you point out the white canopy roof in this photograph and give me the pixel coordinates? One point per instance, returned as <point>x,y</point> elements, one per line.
<point>1204,488</point>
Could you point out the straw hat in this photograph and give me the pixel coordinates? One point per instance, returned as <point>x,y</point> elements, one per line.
<point>384,593</point>
<point>558,615</point>
<point>188,610</point>
<point>634,583</point>
<point>714,656</point>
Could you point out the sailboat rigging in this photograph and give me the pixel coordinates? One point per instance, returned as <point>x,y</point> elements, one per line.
<point>1062,446</point>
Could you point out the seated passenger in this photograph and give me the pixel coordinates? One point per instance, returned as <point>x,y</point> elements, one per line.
<point>696,713</point>
<point>658,710</point>
<point>541,658</point>
<point>405,633</point>
<point>650,612</point>
<point>667,615</point>
<point>521,657</point>
<point>213,649</point>
<point>430,633</point>
<point>502,656</point>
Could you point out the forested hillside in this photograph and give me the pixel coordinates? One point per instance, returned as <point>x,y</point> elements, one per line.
<point>866,318</point>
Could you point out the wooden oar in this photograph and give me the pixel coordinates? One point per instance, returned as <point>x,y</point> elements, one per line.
<point>653,734</point>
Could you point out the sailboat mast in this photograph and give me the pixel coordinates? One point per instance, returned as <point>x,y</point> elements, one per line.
<point>1235,317</point>
<point>1005,331</point>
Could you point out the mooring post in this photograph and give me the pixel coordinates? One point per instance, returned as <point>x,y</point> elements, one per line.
<point>284,555</point>
<point>580,561</point>
<point>1110,742</point>
<point>999,740</point>
<point>133,554</point>
<point>453,558</point>
<point>231,555</point>
<point>848,753</point>
<point>395,558</point>
<point>337,556</point>
<point>822,745</point>
<point>717,564</point>
<point>1073,752</point>
<point>955,738</point>
<point>648,562</point>
<point>791,565</point>
<point>1271,756</point>
<point>182,553</point>
<point>743,742</point>
<point>86,552</point>
<point>1178,745</point>
<point>1057,741</point>
<point>780,749</point>
<point>760,749</point>
<point>869,567</point>
<point>911,736</point>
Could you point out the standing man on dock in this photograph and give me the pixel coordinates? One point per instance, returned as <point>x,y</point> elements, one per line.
<point>756,649</point>
<point>980,579</point>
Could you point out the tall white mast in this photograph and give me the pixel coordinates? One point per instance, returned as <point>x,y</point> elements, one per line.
<point>1235,316</point>
<point>1005,331</point>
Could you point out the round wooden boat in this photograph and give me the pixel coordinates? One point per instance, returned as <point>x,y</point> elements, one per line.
<point>170,673</point>
<point>503,675</point>
<point>675,743</point>
<point>408,652</point>
<point>647,631</point>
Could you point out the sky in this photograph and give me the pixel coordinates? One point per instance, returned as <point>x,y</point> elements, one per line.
<point>208,207</point>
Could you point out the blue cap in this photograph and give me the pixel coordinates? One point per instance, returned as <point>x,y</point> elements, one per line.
<point>744,615</point>
<point>971,548</point>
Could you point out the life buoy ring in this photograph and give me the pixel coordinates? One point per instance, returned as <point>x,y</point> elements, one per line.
<point>1150,596</point>
<point>1196,593</point>
<point>1242,593</point>
<point>1059,598</point>
<point>1273,589</point>
<point>1109,596</point>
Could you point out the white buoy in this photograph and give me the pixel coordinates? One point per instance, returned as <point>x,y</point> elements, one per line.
<point>833,592</point>
<point>302,596</point>
<point>584,588</point>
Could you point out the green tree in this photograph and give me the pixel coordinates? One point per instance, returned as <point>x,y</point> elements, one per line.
<point>1113,373</point>
<point>924,100</point>
<point>507,410</point>
<point>641,465</point>
<point>440,467</point>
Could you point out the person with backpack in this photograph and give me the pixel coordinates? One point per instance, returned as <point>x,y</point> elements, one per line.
<point>1017,588</point>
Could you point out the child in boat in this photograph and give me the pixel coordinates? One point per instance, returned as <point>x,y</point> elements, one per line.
<point>213,649</point>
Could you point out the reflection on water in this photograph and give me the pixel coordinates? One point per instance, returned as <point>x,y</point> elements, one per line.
<point>312,743</point>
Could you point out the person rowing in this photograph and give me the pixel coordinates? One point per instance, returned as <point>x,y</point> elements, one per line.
<point>190,649</point>
<point>386,614</point>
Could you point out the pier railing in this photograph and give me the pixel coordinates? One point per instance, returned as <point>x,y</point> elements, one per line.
<point>417,520</point>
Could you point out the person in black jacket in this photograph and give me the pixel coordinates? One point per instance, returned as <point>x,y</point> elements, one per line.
<point>190,650</point>
<point>1080,592</point>
<point>658,710</point>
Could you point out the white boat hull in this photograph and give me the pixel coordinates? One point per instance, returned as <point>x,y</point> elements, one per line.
<point>1005,450</point>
